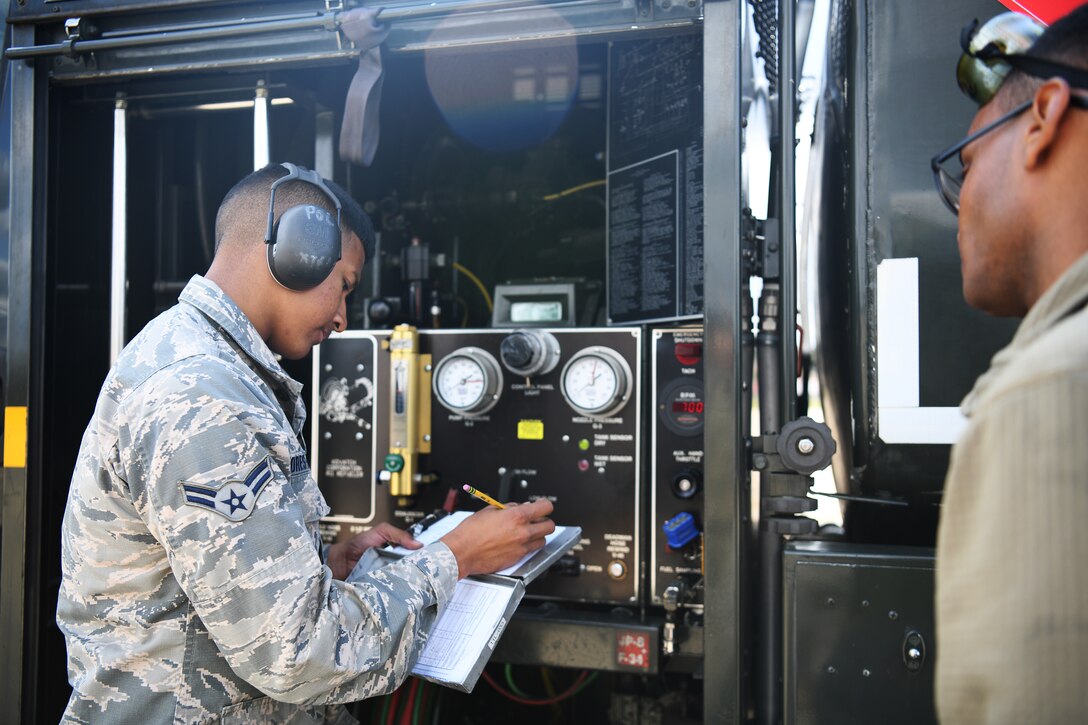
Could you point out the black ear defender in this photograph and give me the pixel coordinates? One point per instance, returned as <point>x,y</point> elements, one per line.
<point>303,245</point>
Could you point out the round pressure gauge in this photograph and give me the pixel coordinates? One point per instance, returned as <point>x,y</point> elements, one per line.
<point>468,381</point>
<point>596,382</point>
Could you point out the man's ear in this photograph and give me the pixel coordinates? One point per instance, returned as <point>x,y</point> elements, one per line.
<point>1050,104</point>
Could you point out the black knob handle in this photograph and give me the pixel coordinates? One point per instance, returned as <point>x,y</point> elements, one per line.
<point>517,351</point>
<point>687,483</point>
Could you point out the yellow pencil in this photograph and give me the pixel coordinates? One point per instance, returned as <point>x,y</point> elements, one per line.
<point>482,496</point>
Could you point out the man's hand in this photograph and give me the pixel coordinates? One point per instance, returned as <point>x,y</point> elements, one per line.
<point>493,539</point>
<point>343,557</point>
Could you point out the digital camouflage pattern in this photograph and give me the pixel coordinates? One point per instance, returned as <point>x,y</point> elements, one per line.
<point>193,583</point>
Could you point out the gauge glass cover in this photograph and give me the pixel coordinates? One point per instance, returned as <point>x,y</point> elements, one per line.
<point>590,383</point>
<point>461,382</point>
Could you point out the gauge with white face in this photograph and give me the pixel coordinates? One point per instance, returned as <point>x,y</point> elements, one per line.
<point>468,381</point>
<point>596,382</point>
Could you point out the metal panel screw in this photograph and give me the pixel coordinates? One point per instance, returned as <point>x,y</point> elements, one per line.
<point>806,446</point>
<point>865,673</point>
<point>893,615</point>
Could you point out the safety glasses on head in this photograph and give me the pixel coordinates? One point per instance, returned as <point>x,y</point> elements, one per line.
<point>992,50</point>
<point>986,49</point>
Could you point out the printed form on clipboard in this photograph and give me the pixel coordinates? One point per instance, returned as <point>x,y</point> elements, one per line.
<point>463,637</point>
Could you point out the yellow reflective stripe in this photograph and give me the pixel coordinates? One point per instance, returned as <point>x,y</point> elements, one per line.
<point>15,436</point>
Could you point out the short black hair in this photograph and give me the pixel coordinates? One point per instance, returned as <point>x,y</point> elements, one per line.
<point>355,218</point>
<point>247,203</point>
<point>1065,41</point>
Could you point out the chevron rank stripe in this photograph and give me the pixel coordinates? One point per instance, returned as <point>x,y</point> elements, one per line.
<point>235,498</point>
<point>259,476</point>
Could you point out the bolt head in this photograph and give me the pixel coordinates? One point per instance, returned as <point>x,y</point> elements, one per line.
<point>806,446</point>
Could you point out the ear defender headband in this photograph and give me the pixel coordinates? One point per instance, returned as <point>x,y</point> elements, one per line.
<point>303,245</point>
<point>993,49</point>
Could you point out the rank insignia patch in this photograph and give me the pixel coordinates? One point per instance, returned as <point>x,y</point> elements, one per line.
<point>234,499</point>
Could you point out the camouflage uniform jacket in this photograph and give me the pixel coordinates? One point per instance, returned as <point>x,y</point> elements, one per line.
<point>194,588</point>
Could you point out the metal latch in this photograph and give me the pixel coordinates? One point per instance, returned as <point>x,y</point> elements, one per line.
<point>914,650</point>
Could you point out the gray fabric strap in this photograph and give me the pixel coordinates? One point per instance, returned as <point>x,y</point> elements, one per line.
<point>359,132</point>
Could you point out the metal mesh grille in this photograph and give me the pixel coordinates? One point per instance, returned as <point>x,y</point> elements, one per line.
<point>766,19</point>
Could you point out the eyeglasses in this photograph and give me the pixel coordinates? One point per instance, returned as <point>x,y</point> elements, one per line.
<point>948,165</point>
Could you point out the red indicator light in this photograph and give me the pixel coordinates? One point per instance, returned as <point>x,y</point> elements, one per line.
<point>688,353</point>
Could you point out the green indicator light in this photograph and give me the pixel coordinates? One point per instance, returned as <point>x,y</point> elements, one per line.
<point>583,444</point>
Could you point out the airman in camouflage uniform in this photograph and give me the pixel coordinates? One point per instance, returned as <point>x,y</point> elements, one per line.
<point>195,585</point>
<point>193,580</point>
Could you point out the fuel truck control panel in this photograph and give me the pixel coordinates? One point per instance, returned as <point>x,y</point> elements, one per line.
<point>676,466</point>
<point>403,419</point>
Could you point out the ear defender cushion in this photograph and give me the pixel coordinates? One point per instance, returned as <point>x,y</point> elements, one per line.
<point>305,248</point>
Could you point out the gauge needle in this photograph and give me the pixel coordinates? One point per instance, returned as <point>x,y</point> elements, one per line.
<point>593,374</point>
<point>466,381</point>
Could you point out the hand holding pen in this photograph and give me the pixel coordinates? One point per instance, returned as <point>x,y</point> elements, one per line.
<point>498,536</point>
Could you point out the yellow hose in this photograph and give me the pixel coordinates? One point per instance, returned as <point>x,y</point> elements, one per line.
<point>575,189</point>
<point>475,280</point>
